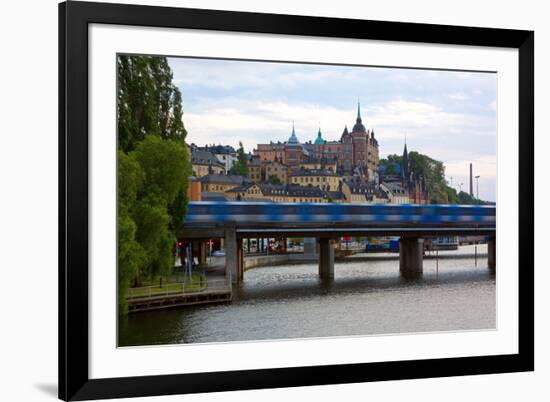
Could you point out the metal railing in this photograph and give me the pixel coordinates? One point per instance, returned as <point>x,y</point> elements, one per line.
<point>177,288</point>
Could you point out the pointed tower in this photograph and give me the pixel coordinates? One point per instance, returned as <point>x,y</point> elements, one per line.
<point>359,140</point>
<point>319,140</point>
<point>294,152</point>
<point>405,166</point>
<point>293,140</point>
<point>345,135</point>
<point>359,127</point>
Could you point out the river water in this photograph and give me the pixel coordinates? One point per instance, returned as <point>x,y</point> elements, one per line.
<point>367,296</point>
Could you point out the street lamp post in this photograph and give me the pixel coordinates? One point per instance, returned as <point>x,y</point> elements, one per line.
<point>477,187</point>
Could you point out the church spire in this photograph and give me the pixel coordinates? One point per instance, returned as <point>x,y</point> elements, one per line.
<point>405,165</point>
<point>293,140</point>
<point>359,128</point>
<point>319,140</point>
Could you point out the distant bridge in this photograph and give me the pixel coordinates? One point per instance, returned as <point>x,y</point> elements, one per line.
<point>234,221</point>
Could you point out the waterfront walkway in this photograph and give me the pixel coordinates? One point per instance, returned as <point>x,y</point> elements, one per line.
<point>210,284</point>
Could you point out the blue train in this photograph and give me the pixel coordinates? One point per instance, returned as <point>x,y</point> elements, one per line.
<point>325,214</point>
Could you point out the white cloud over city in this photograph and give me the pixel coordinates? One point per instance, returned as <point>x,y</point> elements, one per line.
<point>450,116</point>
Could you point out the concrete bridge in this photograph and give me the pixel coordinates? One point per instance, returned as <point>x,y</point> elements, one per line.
<point>235,221</point>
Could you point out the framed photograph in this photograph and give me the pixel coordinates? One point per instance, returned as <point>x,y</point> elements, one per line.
<point>259,201</point>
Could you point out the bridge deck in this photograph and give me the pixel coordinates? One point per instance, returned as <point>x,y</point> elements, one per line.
<point>334,219</point>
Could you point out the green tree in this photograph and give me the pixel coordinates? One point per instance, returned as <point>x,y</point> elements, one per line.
<point>240,167</point>
<point>148,102</point>
<point>395,159</point>
<point>153,169</point>
<point>465,198</point>
<point>160,203</point>
<point>131,255</point>
<point>165,167</point>
<point>274,180</point>
<point>391,169</point>
<point>433,173</point>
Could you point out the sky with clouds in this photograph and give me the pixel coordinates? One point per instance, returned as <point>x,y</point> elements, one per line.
<point>448,115</point>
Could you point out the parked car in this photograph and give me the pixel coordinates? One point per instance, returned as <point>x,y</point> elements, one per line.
<point>218,253</point>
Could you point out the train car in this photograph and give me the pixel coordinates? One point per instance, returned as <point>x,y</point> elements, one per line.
<point>258,214</point>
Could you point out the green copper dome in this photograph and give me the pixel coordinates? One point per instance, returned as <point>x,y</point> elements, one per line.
<point>319,140</point>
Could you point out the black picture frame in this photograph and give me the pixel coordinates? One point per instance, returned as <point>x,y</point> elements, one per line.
<point>74,18</point>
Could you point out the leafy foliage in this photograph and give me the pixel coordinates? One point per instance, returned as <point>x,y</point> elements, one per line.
<point>274,180</point>
<point>148,102</point>
<point>131,255</point>
<point>153,170</point>
<point>465,198</point>
<point>240,167</point>
<point>433,173</point>
<point>165,164</point>
<point>391,169</point>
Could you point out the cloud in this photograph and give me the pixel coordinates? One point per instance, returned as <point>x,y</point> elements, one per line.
<point>450,116</point>
<point>231,75</point>
<point>485,166</point>
<point>265,121</point>
<point>458,96</point>
<point>260,122</point>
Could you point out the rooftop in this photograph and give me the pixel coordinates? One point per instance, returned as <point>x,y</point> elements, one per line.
<point>218,149</point>
<point>361,188</point>
<point>222,179</point>
<point>395,187</point>
<point>242,188</point>
<point>199,157</point>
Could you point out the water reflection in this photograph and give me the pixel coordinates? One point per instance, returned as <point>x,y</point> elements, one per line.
<point>367,296</point>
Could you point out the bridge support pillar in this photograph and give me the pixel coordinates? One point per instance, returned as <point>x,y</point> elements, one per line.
<point>326,258</point>
<point>491,251</point>
<point>234,256</point>
<point>411,251</point>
